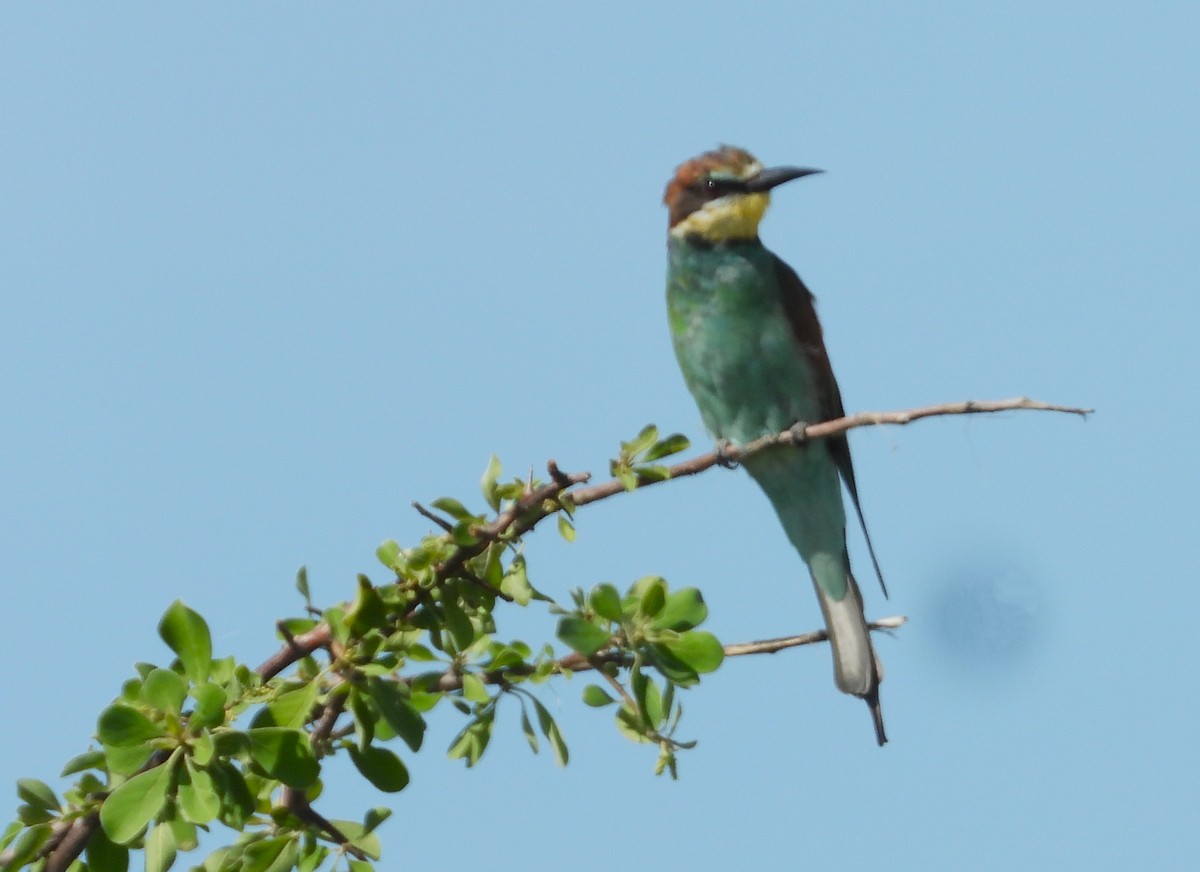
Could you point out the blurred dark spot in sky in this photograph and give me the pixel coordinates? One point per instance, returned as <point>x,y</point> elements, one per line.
<point>987,617</point>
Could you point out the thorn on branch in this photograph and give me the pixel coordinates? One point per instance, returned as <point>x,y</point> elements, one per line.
<point>441,522</point>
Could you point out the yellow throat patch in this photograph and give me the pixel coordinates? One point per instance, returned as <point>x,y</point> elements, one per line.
<point>729,218</point>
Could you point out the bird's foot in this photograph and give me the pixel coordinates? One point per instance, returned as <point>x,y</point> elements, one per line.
<point>724,458</point>
<point>799,437</point>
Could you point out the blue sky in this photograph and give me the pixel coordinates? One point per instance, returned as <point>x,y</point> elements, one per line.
<point>271,274</point>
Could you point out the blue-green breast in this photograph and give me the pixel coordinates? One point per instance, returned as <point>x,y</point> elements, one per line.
<point>734,341</point>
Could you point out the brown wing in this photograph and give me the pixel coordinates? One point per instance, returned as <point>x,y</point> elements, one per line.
<point>798,304</point>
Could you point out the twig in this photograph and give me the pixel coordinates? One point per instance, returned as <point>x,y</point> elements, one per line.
<point>295,649</point>
<point>824,430</point>
<point>441,522</point>
<point>772,646</point>
<point>297,803</point>
<point>452,679</point>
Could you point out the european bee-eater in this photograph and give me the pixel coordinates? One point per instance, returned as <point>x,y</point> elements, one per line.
<point>749,344</point>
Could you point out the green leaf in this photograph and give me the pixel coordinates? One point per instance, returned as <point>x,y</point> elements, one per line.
<point>160,849</point>
<point>302,584</point>
<point>470,744</point>
<point>197,797</point>
<point>31,815</point>
<point>582,635</point>
<point>653,472</point>
<point>368,611</point>
<point>82,762</point>
<point>504,657</point>
<point>527,729</point>
<point>209,710</point>
<point>365,717</point>
<point>27,845</point>
<point>381,767</point>
<point>606,602</point>
<point>289,709</point>
<point>184,834</point>
<point>104,855</point>
<point>165,690</point>
<point>366,842</point>
<point>463,534</point>
<point>595,696</point>
<point>654,597</point>
<point>671,667</point>
<point>230,743</point>
<point>565,528</point>
<point>186,633</point>
<point>516,582</point>
<point>374,817</point>
<point>127,759</point>
<point>473,688</point>
<point>38,794</point>
<point>335,616</point>
<point>487,484</point>
<point>422,702</point>
<point>646,438</point>
<point>388,554</point>
<point>237,802</point>
<point>457,622</point>
<point>222,671</point>
<point>270,855</point>
<point>284,754</point>
<point>360,865</point>
<point>454,509</point>
<point>312,858</point>
<point>630,725</point>
<point>397,711</point>
<point>673,444</point>
<point>121,726</point>
<point>132,806</point>
<point>699,649</point>
<point>650,701</point>
<point>683,610</point>
<point>550,731</point>
<point>9,833</point>
<point>131,690</point>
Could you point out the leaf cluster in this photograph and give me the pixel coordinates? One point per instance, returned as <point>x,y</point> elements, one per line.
<point>203,742</point>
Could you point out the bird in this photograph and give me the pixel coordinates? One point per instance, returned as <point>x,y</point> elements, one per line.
<point>746,335</point>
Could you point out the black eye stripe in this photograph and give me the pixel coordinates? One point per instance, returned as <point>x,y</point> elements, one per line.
<point>712,188</point>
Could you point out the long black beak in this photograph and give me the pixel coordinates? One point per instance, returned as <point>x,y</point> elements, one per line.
<point>775,176</point>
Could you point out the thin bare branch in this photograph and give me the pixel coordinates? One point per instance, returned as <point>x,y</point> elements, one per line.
<point>771,646</point>
<point>452,680</point>
<point>583,496</point>
<point>424,512</point>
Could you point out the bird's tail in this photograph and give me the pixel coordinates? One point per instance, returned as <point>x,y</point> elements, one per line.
<point>856,667</point>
